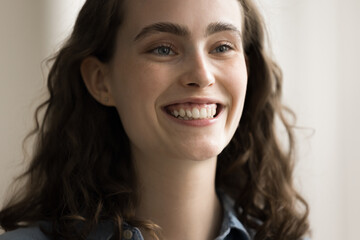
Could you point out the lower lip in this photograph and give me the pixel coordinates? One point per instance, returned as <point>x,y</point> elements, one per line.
<point>197,122</point>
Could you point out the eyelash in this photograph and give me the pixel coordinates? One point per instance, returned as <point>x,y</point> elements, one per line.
<point>228,46</point>
<point>171,49</point>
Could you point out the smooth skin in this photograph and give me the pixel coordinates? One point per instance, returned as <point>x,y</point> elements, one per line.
<point>194,52</point>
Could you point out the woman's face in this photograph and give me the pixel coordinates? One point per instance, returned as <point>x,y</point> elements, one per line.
<point>179,76</point>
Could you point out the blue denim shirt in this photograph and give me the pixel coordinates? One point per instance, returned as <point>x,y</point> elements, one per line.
<point>231,228</point>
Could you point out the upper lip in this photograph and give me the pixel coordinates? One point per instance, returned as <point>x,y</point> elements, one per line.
<point>195,100</point>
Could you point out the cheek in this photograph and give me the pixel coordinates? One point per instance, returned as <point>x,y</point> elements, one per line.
<point>135,108</point>
<point>136,88</point>
<point>136,85</point>
<point>236,84</point>
<point>134,100</point>
<point>239,87</point>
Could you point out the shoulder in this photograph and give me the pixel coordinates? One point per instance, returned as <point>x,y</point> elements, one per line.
<point>28,233</point>
<point>103,231</point>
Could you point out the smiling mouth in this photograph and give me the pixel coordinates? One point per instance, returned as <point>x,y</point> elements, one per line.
<point>194,111</point>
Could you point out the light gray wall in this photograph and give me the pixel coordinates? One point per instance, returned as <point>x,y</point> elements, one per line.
<point>31,31</point>
<point>317,44</point>
<point>21,53</point>
<point>349,113</point>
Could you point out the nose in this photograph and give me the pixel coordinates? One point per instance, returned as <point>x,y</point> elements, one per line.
<point>197,72</point>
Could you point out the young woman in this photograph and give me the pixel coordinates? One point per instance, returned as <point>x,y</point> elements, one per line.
<point>161,125</point>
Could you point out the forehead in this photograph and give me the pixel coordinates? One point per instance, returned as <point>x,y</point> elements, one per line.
<point>196,15</point>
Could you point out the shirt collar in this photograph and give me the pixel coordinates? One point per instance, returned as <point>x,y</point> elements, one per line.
<point>230,221</point>
<point>230,224</point>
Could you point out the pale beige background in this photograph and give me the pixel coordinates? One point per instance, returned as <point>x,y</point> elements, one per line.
<point>316,43</point>
<point>21,52</point>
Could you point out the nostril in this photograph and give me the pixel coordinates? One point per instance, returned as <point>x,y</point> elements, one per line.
<point>192,84</point>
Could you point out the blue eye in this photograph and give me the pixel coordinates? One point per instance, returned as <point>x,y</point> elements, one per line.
<point>163,51</point>
<point>223,48</point>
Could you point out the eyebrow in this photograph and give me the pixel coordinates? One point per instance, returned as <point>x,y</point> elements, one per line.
<point>221,27</point>
<point>183,31</point>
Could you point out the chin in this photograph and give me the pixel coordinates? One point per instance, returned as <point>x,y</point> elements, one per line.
<point>201,152</point>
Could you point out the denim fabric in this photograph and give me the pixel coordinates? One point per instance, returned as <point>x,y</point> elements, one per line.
<point>231,228</point>
<point>102,232</point>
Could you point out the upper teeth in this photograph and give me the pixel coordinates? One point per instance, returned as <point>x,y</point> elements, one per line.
<point>195,113</point>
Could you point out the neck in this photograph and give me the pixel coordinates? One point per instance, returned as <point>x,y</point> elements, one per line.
<point>179,196</point>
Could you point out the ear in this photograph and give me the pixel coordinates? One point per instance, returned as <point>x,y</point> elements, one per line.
<point>95,76</point>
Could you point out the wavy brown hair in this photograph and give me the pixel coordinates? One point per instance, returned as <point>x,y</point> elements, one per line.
<point>81,172</point>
